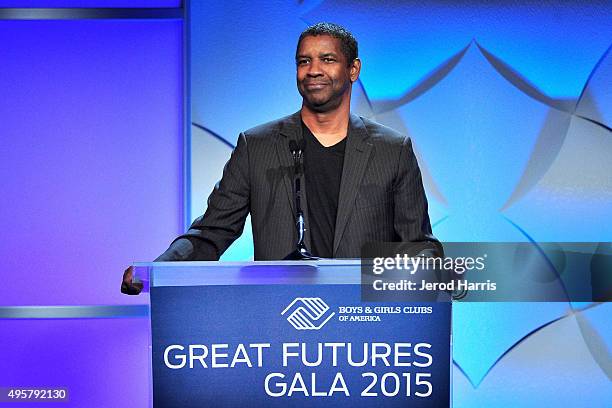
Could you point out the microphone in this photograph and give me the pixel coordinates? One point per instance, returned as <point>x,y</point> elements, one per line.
<point>293,147</point>
<point>297,152</point>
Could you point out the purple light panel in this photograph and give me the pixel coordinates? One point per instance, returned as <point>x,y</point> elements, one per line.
<point>102,362</point>
<point>89,3</point>
<point>91,155</point>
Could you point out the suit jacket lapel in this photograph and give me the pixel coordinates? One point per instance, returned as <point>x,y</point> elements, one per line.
<point>356,158</point>
<point>291,129</point>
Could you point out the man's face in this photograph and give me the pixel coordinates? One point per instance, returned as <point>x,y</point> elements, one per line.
<point>324,76</point>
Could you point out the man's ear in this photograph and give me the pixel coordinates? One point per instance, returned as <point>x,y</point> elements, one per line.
<point>355,69</point>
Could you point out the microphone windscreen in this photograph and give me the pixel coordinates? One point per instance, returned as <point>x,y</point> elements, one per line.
<point>300,145</point>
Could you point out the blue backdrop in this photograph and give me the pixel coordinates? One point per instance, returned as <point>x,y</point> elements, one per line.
<point>509,107</point>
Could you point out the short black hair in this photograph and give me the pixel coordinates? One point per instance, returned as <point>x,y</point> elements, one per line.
<point>348,43</point>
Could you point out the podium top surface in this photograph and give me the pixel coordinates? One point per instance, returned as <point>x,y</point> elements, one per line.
<point>325,271</point>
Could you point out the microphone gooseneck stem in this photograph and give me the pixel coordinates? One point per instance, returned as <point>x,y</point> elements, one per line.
<point>301,225</point>
<point>300,252</point>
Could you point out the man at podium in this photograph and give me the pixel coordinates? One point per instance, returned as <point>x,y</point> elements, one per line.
<point>359,181</point>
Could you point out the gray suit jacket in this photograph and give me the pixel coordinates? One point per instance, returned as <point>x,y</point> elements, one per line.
<point>381,195</point>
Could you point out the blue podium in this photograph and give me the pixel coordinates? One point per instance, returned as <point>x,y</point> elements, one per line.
<point>290,333</point>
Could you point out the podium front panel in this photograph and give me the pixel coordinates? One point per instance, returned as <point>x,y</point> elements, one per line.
<point>277,334</point>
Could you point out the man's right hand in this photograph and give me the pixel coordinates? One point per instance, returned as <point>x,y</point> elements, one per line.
<point>129,287</point>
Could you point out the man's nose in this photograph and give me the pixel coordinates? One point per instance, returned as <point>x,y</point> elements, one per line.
<point>314,69</point>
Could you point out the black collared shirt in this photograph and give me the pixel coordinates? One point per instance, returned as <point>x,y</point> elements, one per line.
<point>323,173</point>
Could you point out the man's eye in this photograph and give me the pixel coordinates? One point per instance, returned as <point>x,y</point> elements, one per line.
<point>329,59</point>
<point>302,62</point>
